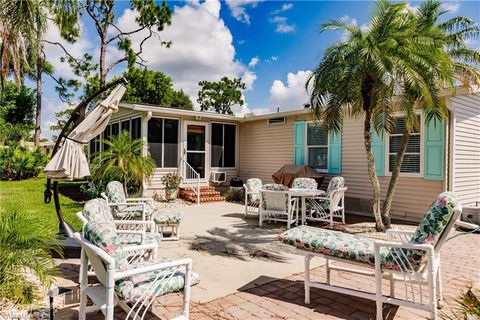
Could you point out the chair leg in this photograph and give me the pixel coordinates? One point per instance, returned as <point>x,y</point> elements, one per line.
<point>327,268</point>
<point>432,283</point>
<point>307,278</point>
<point>439,284</point>
<point>392,286</point>
<point>260,218</point>
<point>246,204</point>
<point>378,289</point>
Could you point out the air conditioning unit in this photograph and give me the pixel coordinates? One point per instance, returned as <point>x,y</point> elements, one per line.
<point>219,177</point>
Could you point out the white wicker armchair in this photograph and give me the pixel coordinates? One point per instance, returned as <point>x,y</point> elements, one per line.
<point>127,208</point>
<point>276,204</point>
<point>326,208</point>
<point>125,280</point>
<point>252,195</point>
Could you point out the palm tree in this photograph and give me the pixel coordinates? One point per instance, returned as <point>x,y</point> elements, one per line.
<point>124,155</point>
<point>396,63</point>
<point>23,26</point>
<point>449,59</point>
<point>25,246</point>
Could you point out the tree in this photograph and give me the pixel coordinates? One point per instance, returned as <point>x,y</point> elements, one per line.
<point>26,22</point>
<point>148,86</point>
<point>152,19</point>
<point>124,155</point>
<point>181,101</point>
<point>17,106</point>
<point>364,72</point>
<point>222,95</point>
<point>458,62</point>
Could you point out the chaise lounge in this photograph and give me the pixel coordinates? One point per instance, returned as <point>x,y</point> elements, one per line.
<point>415,261</point>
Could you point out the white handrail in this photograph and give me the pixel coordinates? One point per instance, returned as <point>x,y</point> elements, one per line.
<point>190,177</point>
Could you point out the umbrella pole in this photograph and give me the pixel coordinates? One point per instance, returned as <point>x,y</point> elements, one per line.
<point>78,114</point>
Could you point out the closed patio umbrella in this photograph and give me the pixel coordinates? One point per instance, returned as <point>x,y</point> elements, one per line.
<point>70,161</point>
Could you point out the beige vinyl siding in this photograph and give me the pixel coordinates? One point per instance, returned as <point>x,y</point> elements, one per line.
<point>466,153</point>
<point>265,149</point>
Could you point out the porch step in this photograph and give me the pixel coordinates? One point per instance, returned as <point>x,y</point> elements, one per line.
<point>207,194</point>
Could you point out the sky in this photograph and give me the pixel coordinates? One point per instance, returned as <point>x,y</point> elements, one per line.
<point>272,45</point>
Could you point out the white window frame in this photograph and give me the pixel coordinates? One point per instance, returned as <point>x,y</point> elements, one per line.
<point>223,133</point>
<point>306,146</point>
<point>422,155</point>
<point>163,144</point>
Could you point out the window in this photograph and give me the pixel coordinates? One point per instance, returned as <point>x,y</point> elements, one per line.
<point>163,142</point>
<point>133,126</point>
<point>412,158</point>
<point>223,140</point>
<point>316,146</point>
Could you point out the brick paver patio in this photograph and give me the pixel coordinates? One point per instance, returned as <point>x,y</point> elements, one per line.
<point>283,298</point>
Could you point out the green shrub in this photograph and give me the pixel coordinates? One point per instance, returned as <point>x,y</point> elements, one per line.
<point>25,246</point>
<point>233,195</point>
<point>17,163</point>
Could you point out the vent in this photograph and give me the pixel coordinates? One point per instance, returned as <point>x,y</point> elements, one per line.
<point>219,177</point>
<point>275,121</point>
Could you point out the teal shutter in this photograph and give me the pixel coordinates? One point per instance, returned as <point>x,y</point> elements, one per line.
<point>378,149</point>
<point>335,153</point>
<point>434,150</point>
<point>299,141</point>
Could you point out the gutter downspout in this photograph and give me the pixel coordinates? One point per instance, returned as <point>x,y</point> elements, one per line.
<point>450,156</point>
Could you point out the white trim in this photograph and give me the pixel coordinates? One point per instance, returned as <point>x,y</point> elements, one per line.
<point>207,145</point>
<point>451,163</point>
<point>388,173</point>
<point>319,146</point>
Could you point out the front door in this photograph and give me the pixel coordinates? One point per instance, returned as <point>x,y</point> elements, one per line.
<point>196,147</point>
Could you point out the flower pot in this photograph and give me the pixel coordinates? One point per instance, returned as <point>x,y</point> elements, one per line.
<point>171,193</point>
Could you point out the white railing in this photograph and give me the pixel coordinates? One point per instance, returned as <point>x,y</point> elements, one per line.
<point>190,177</point>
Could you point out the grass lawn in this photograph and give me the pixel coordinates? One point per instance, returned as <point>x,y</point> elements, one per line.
<point>28,195</point>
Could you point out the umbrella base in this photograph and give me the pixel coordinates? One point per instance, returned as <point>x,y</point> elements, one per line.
<point>71,249</point>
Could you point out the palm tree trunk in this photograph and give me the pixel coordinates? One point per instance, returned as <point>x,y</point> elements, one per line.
<point>367,133</point>
<point>38,113</point>
<point>394,178</point>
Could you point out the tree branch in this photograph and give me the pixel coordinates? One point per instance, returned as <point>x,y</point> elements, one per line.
<point>121,33</point>
<point>64,50</point>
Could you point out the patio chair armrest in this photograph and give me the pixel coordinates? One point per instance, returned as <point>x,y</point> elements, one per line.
<point>140,247</point>
<point>126,204</point>
<point>149,223</point>
<point>403,245</point>
<point>104,196</point>
<point>186,262</point>
<point>393,232</point>
<point>318,198</point>
<point>407,267</point>
<point>147,200</point>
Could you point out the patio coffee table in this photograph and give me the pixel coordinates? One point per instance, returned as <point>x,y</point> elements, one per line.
<point>304,194</point>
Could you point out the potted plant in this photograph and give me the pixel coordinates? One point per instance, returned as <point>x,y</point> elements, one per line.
<point>171,181</point>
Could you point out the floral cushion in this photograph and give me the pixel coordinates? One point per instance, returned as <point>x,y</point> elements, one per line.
<point>115,192</point>
<point>335,183</point>
<point>134,212</point>
<point>305,183</point>
<point>150,237</point>
<point>332,243</point>
<point>172,218</point>
<point>104,236</point>
<point>429,230</point>
<point>274,201</point>
<point>98,210</point>
<point>253,186</point>
<point>134,287</point>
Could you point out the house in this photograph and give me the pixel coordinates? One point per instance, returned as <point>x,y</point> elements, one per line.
<point>214,148</point>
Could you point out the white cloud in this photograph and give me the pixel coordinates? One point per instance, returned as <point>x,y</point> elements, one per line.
<point>285,7</point>
<point>202,47</point>
<point>274,58</point>
<point>292,95</point>
<point>253,62</point>
<point>249,78</point>
<point>451,7</point>
<point>238,9</point>
<point>49,108</point>
<point>282,25</point>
